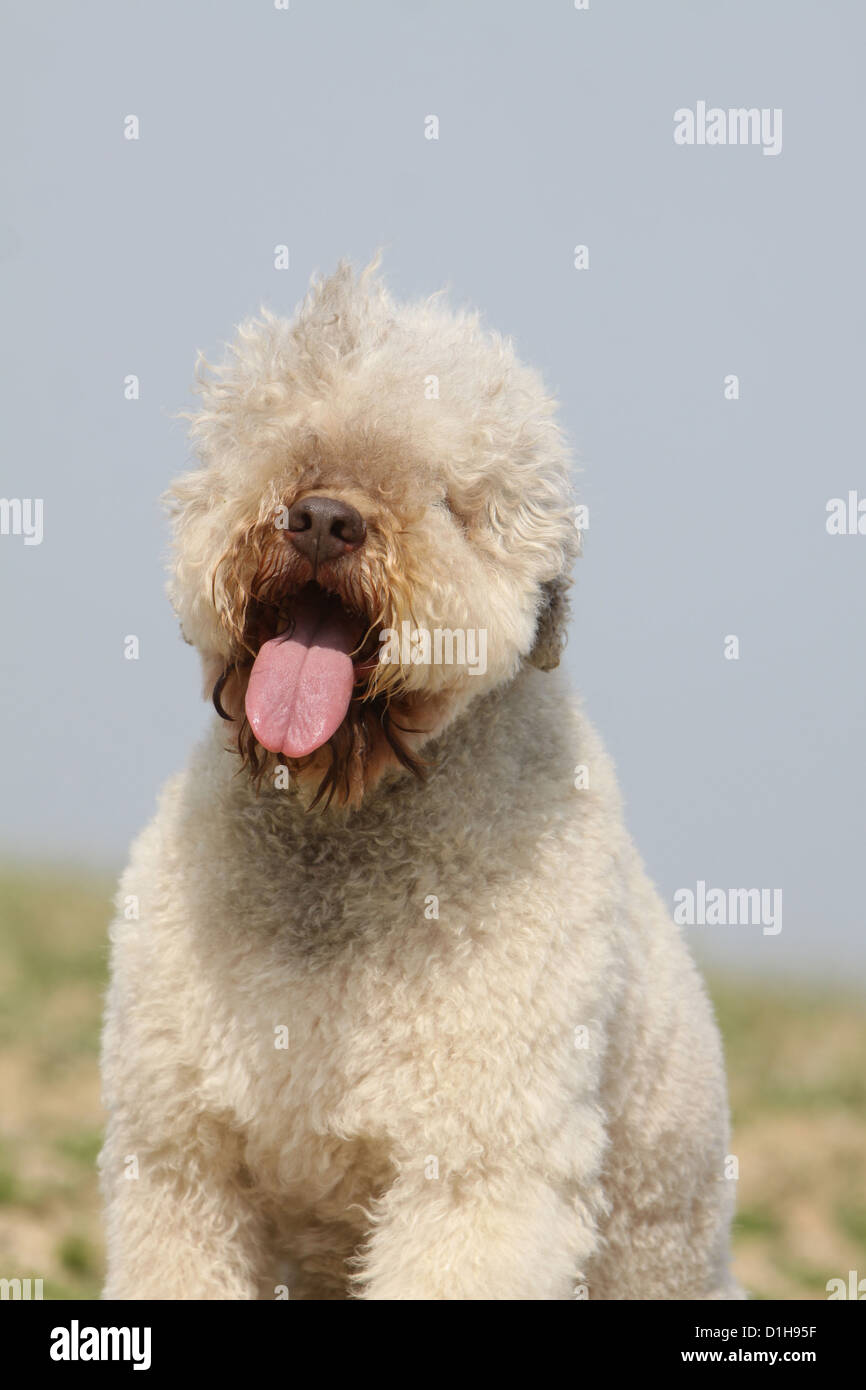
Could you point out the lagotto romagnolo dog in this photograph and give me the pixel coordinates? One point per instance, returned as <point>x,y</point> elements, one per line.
<point>395,1012</point>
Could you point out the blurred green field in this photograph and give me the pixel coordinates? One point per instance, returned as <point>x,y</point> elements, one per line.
<point>795,1059</point>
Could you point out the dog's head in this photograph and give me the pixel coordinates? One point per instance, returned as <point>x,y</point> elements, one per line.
<point>381,529</point>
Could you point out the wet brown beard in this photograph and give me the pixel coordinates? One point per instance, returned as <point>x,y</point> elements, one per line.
<point>252,589</point>
<point>372,734</point>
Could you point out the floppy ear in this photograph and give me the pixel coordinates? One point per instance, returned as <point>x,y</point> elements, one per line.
<point>552,619</point>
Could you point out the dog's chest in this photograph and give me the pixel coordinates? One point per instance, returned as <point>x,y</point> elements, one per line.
<point>350,975</point>
<point>338,993</point>
<point>318,1064</point>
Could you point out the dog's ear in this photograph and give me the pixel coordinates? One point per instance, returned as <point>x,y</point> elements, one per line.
<point>552,620</point>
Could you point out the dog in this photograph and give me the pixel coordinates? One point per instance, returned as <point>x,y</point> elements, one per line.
<point>394,1011</point>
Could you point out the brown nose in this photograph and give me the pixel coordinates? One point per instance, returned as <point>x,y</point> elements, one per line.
<point>323,528</point>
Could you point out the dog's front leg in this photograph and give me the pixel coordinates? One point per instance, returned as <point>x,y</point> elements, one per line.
<point>179,1224</point>
<point>504,1233</point>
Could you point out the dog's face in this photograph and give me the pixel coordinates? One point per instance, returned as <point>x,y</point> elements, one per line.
<point>380,531</point>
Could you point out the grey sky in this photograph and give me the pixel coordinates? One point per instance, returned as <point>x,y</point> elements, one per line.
<point>261,127</point>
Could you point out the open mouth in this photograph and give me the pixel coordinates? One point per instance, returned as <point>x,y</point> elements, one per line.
<point>303,680</point>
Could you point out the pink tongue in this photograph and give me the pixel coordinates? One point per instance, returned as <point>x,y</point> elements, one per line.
<point>301,684</point>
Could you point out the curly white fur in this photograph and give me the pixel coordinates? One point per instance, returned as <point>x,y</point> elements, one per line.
<point>447,1044</point>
